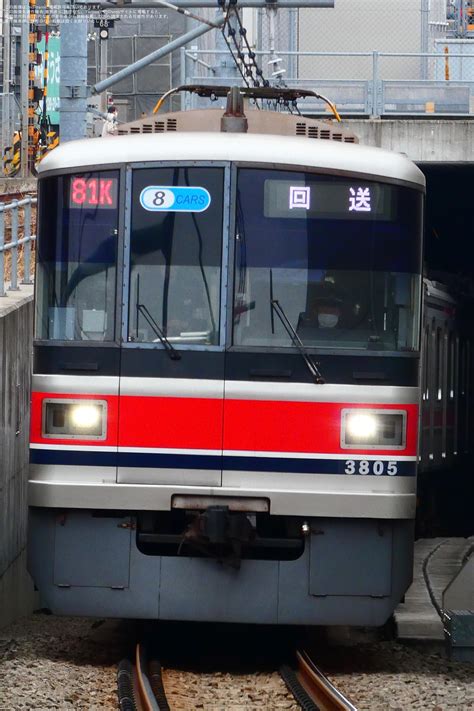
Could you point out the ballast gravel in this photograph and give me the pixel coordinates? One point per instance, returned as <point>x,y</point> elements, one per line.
<point>186,691</point>
<point>390,676</point>
<point>48,662</point>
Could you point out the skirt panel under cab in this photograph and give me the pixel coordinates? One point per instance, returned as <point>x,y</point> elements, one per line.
<point>350,572</point>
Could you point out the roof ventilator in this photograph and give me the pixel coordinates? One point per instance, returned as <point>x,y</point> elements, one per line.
<point>233,119</point>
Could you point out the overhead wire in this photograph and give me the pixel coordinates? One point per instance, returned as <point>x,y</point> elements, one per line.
<point>247,65</point>
<point>245,61</point>
<point>229,47</point>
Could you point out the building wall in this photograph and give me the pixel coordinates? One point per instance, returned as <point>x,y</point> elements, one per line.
<point>362,26</point>
<point>16,326</point>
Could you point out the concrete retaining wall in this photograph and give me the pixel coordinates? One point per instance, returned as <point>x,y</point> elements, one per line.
<point>423,140</point>
<point>16,330</point>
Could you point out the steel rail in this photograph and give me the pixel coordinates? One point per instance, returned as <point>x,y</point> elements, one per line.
<point>147,698</point>
<point>135,685</point>
<point>312,689</point>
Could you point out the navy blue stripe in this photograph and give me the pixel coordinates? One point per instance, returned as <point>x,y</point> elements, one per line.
<point>202,461</point>
<point>87,458</point>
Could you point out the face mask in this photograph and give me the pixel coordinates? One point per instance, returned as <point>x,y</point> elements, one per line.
<point>328,320</point>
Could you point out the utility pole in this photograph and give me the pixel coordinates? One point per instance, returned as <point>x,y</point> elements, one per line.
<point>24,80</point>
<point>73,89</point>
<point>7,106</point>
<point>425,32</point>
<point>103,71</point>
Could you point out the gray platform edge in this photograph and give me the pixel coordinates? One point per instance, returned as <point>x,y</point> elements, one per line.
<point>416,617</point>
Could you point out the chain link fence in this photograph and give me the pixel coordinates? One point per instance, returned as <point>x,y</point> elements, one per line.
<point>132,39</point>
<point>371,58</point>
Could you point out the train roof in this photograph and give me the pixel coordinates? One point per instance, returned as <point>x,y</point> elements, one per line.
<point>269,149</point>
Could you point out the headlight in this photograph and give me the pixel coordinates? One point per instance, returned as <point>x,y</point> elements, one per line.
<point>373,429</point>
<point>75,419</point>
<point>361,426</point>
<point>85,417</point>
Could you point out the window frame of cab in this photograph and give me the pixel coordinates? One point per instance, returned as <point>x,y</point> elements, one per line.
<point>225,167</point>
<point>79,170</point>
<point>320,352</point>
<point>230,169</point>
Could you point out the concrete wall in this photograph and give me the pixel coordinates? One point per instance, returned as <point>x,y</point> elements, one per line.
<point>16,329</point>
<point>441,141</point>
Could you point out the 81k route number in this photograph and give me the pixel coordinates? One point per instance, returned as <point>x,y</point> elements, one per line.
<point>363,466</point>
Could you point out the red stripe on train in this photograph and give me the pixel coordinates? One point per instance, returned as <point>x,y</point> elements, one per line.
<point>300,426</point>
<point>247,425</point>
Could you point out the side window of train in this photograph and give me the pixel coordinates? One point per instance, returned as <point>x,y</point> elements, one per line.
<point>451,365</point>
<point>426,361</point>
<point>439,363</point>
<point>462,368</point>
<point>434,361</point>
<point>465,365</point>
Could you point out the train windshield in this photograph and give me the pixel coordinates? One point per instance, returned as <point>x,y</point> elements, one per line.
<point>340,256</point>
<point>175,255</point>
<point>77,254</point>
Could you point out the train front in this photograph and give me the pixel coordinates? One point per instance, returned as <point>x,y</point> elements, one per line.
<point>225,391</point>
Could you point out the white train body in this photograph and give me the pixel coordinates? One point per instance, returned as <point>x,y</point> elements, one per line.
<point>188,462</point>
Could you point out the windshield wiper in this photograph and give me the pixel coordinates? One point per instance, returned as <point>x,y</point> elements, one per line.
<point>170,349</point>
<point>297,342</point>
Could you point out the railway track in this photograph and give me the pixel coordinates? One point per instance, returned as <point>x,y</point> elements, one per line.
<point>312,689</point>
<point>140,685</point>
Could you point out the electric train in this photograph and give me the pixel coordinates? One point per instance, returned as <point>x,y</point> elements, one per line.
<point>226,390</point>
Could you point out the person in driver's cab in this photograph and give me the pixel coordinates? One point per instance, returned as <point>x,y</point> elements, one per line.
<point>324,306</point>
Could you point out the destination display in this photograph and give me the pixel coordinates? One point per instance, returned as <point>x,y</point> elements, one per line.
<point>328,199</point>
<point>90,191</point>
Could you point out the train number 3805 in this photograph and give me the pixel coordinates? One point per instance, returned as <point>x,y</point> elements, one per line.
<point>365,467</point>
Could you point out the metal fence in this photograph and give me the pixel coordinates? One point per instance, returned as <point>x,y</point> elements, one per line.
<point>15,243</point>
<point>375,83</point>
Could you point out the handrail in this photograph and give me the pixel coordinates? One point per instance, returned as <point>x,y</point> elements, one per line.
<point>15,242</point>
<point>385,84</point>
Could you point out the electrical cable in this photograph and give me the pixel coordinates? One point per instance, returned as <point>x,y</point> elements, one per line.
<point>245,61</point>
